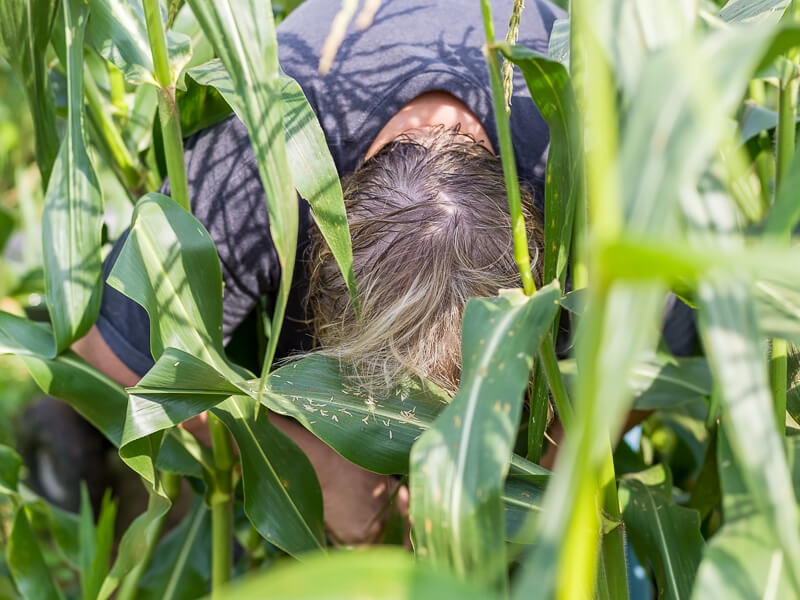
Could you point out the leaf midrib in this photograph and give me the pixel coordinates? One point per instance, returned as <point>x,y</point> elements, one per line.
<point>234,402</point>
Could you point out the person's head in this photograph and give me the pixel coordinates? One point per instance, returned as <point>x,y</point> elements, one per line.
<point>430,228</point>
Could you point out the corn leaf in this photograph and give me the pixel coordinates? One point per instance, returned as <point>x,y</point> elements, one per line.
<point>73,212</point>
<point>10,463</point>
<point>551,90</point>
<point>784,213</point>
<point>558,46</point>
<point>98,398</point>
<point>730,335</point>
<point>753,11</point>
<point>522,501</point>
<point>672,101</point>
<point>380,574</point>
<point>317,392</point>
<point>329,402</point>
<point>744,559</point>
<point>169,265</point>
<point>141,534</point>
<point>95,542</point>
<point>25,28</point>
<point>631,31</point>
<point>233,26</point>
<point>282,497</point>
<point>458,466</point>
<point>26,563</point>
<point>313,170</point>
<point>158,268</point>
<point>181,562</point>
<point>117,30</point>
<point>24,337</point>
<point>177,388</point>
<point>662,533</point>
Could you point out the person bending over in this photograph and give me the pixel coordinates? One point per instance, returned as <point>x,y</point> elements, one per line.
<point>407,115</point>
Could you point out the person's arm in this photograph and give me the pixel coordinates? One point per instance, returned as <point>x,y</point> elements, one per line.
<point>94,350</point>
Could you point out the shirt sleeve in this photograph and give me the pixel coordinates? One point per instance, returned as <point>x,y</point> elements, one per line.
<point>228,199</point>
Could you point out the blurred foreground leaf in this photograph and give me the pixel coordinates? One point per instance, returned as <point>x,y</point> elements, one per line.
<point>378,574</point>
<point>744,559</point>
<point>732,342</point>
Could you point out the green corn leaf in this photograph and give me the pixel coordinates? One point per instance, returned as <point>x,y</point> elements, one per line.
<point>753,119</point>
<point>104,542</point>
<point>169,265</point>
<point>558,47</point>
<point>7,225</point>
<point>26,563</point>
<point>551,90</point>
<point>660,155</point>
<point>753,11</point>
<point>232,26</point>
<point>458,466</point>
<point>117,30</point>
<point>177,388</point>
<point>660,151</point>
<point>140,535</point>
<point>87,544</point>
<point>103,403</point>
<point>10,463</point>
<point>329,402</point>
<point>784,214</point>
<point>63,527</point>
<point>24,337</point>
<point>732,341</point>
<point>313,170</point>
<point>631,31</point>
<point>25,28</point>
<point>378,574</point>
<point>523,503</point>
<point>97,397</point>
<point>315,391</point>
<point>744,559</point>
<point>662,533</point>
<point>777,305</point>
<point>73,212</point>
<point>181,563</point>
<point>138,127</point>
<point>282,497</point>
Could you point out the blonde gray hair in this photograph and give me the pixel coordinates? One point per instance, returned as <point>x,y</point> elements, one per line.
<point>430,227</point>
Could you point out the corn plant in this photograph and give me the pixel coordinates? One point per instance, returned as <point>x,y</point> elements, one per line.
<point>671,170</point>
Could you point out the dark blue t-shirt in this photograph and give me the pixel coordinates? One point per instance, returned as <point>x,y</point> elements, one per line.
<point>412,47</point>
